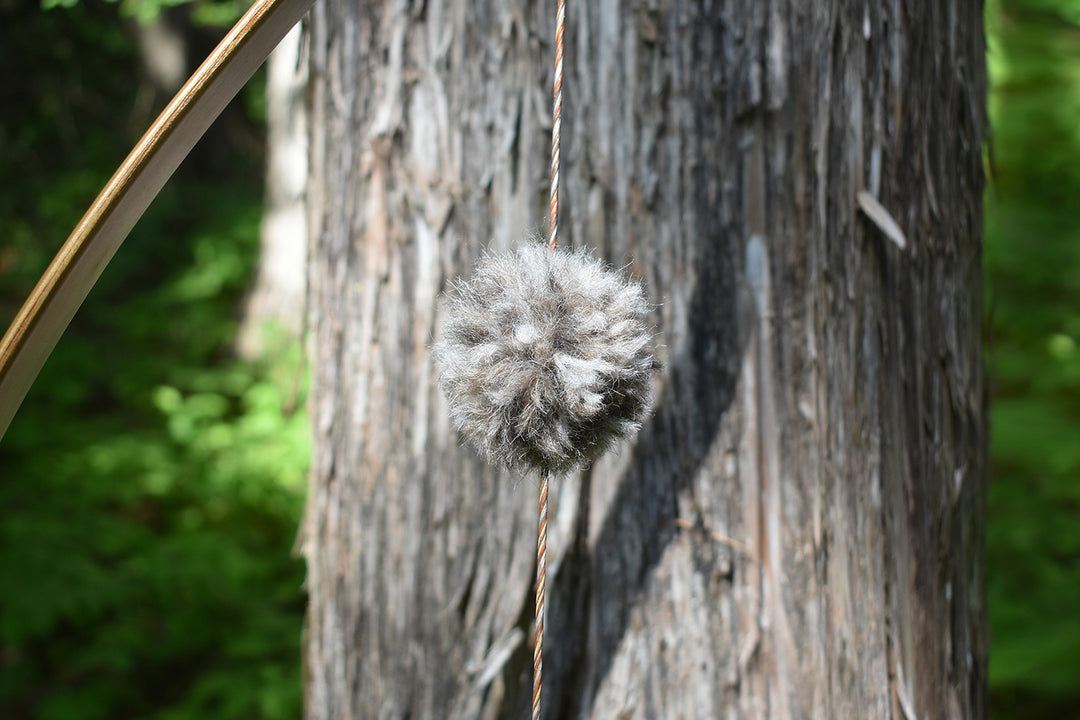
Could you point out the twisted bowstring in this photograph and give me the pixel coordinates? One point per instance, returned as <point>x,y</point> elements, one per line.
<point>556,127</point>
<point>553,230</point>
<point>541,571</point>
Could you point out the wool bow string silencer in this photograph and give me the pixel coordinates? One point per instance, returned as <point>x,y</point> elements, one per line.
<point>545,358</point>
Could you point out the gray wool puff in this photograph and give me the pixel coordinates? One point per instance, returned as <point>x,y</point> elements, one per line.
<point>545,358</point>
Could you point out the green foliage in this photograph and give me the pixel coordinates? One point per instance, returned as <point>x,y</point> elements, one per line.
<point>1032,262</point>
<point>152,483</point>
<point>215,13</point>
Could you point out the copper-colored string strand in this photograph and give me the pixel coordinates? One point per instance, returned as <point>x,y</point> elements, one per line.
<point>541,572</point>
<point>556,127</point>
<point>553,238</point>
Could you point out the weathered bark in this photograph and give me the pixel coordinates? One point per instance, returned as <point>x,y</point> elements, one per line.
<point>797,531</point>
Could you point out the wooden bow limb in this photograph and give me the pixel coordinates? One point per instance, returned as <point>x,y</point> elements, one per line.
<point>61,290</point>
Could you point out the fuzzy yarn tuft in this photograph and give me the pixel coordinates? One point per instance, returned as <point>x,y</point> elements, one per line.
<point>545,358</point>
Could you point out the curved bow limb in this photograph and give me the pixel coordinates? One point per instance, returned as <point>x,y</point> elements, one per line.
<point>64,285</point>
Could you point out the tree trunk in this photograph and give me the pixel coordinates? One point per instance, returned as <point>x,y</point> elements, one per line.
<point>797,530</point>
<point>277,294</point>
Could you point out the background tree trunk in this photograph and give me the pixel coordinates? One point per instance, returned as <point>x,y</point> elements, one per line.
<point>277,293</point>
<point>797,530</point>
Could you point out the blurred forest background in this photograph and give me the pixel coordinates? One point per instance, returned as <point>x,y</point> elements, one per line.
<point>153,482</point>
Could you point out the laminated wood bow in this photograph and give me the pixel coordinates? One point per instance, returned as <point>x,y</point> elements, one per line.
<point>64,285</point>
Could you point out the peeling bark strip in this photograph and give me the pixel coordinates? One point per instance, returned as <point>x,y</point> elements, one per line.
<point>797,531</point>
